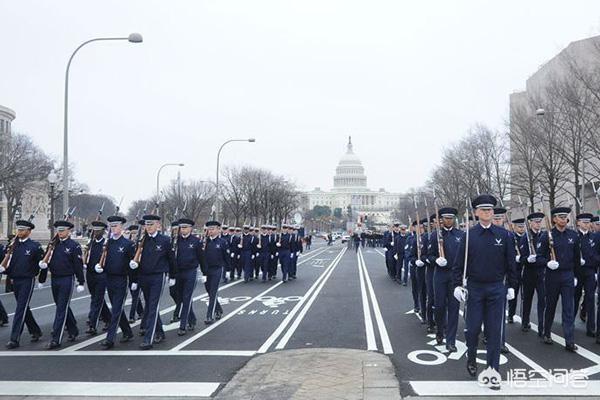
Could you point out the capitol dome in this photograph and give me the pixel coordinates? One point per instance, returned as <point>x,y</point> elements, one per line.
<point>349,174</point>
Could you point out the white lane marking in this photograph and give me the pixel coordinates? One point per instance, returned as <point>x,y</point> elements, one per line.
<point>267,344</point>
<point>99,338</point>
<point>222,320</point>
<point>383,333</point>
<point>107,389</point>
<point>369,328</point>
<point>96,353</point>
<point>52,305</point>
<point>521,388</point>
<point>283,342</point>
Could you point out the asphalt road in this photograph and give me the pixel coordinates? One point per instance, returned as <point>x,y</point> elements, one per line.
<point>341,298</point>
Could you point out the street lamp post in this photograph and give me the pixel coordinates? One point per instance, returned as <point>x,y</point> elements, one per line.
<point>158,179</point>
<point>132,38</point>
<point>217,202</point>
<point>52,180</point>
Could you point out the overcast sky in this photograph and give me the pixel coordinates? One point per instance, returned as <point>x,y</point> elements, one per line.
<point>403,78</point>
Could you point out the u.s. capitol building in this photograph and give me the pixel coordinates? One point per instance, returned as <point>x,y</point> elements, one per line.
<point>350,189</point>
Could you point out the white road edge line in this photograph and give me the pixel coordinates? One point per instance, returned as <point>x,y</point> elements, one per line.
<point>267,344</point>
<point>283,342</point>
<point>383,333</point>
<point>369,328</point>
<point>112,353</point>
<point>525,388</point>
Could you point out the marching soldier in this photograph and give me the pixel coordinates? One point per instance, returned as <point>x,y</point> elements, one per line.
<point>96,281</point>
<point>226,238</point>
<point>596,223</point>
<point>429,270</point>
<point>409,248</point>
<point>389,244</point>
<point>590,260</point>
<point>118,253</point>
<point>499,221</point>
<point>418,256</point>
<point>446,306</point>
<point>236,253</point>
<point>264,251</point>
<point>256,262</point>
<point>296,248</point>
<point>247,253</point>
<point>23,268</point>
<point>189,256</point>
<point>284,250</point>
<point>533,273</point>
<point>518,230</point>
<point>136,301</point>
<point>215,254</point>
<point>155,263</point>
<point>174,291</point>
<point>64,262</point>
<point>561,252</point>
<point>3,313</point>
<point>274,253</point>
<point>489,260</point>
<point>401,261</point>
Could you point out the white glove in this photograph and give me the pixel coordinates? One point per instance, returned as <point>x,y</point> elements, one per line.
<point>395,256</point>
<point>84,266</point>
<point>134,286</point>
<point>171,282</point>
<point>517,259</point>
<point>252,257</point>
<point>258,246</point>
<point>510,294</point>
<point>98,268</point>
<point>133,264</point>
<point>582,261</point>
<point>441,261</point>
<point>80,288</point>
<point>278,244</point>
<point>292,255</point>
<point>552,264</point>
<point>391,243</point>
<point>240,246</point>
<point>575,282</point>
<point>419,263</point>
<point>203,278</point>
<point>232,255</point>
<point>460,294</point>
<point>238,257</point>
<point>277,254</point>
<point>272,257</point>
<point>2,269</point>
<point>43,265</point>
<point>40,285</point>
<point>386,250</point>
<point>531,258</point>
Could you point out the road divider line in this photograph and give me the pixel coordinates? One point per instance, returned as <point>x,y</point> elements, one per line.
<point>99,338</point>
<point>369,328</point>
<point>267,344</point>
<point>283,342</point>
<point>52,304</point>
<point>383,333</point>
<point>222,320</point>
<point>103,353</point>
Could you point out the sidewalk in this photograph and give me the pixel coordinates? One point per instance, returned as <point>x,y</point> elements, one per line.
<point>315,374</point>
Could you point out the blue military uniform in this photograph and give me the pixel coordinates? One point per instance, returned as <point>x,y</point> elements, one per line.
<point>119,253</point>
<point>96,282</point>
<point>389,244</point>
<point>295,250</point>
<point>156,262</point>
<point>189,256</point>
<point>420,245</point>
<point>512,304</point>
<point>446,306</point>
<point>284,250</point>
<point>234,255</point>
<point>136,301</point>
<point>247,248</point>
<point>215,259</point>
<point>23,269</point>
<point>409,247</point>
<point>273,252</point>
<point>65,265</point>
<point>490,260</point>
<point>264,253</point>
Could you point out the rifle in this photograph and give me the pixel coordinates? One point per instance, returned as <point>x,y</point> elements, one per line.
<point>88,247</point>
<point>440,239</point>
<point>527,235</point>
<point>464,280</point>
<point>548,226</point>
<point>11,246</point>
<point>418,226</point>
<point>427,215</point>
<point>50,249</point>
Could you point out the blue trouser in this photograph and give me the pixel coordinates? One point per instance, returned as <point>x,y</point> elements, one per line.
<point>430,293</point>
<point>136,304</point>
<point>98,304</point>
<point>212,287</point>
<point>264,260</point>
<point>23,289</point>
<point>422,291</point>
<point>3,314</point>
<point>186,281</point>
<point>390,263</point>
<point>92,280</point>
<point>273,265</point>
<point>560,283</point>
<point>446,306</point>
<point>247,264</point>
<point>116,286</point>
<point>284,260</point>
<point>152,286</point>
<point>587,283</point>
<point>62,290</point>
<point>293,263</point>
<point>533,281</point>
<point>404,270</point>
<point>414,285</point>
<point>512,304</point>
<point>485,304</point>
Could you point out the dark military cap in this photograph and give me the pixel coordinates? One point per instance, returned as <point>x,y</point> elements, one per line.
<point>116,219</point>
<point>186,223</point>
<point>98,225</point>
<point>23,224</point>
<point>596,219</point>
<point>175,224</point>
<point>63,225</point>
<point>150,218</point>
<point>485,201</point>
<point>518,221</point>
<point>499,211</point>
<point>133,227</point>
<point>535,216</point>
<point>448,212</point>
<point>560,211</point>
<point>585,217</point>
<point>212,223</point>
